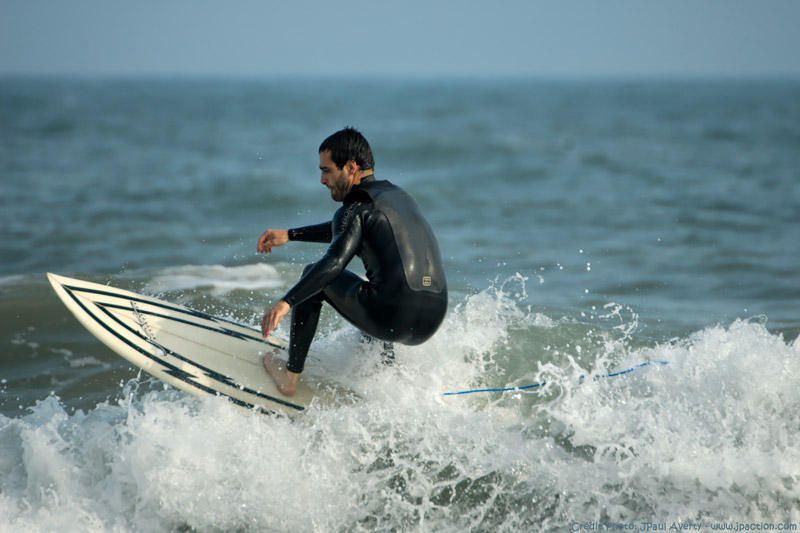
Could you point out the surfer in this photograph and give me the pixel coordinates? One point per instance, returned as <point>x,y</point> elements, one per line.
<point>403,299</point>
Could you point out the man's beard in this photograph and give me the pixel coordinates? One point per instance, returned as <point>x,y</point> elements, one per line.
<point>339,191</point>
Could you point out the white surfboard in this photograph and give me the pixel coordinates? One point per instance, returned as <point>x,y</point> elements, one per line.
<point>193,351</point>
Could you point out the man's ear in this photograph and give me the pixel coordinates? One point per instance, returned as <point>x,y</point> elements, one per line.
<point>351,167</point>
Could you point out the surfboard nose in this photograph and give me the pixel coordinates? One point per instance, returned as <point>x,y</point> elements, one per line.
<point>53,279</point>
<point>57,280</point>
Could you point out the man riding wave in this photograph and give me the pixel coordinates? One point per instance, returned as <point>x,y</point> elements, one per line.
<point>403,299</point>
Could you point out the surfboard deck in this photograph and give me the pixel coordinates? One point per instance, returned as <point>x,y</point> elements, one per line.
<point>193,351</point>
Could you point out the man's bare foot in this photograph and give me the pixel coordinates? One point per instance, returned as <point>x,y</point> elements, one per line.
<point>284,379</point>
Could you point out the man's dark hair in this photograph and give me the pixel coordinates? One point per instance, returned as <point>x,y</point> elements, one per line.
<point>348,144</point>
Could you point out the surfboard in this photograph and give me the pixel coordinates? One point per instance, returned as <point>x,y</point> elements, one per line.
<point>193,351</point>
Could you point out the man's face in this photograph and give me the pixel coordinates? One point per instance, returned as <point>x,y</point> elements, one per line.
<point>334,178</point>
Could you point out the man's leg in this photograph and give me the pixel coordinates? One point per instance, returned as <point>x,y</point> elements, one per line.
<point>344,295</point>
<point>305,317</point>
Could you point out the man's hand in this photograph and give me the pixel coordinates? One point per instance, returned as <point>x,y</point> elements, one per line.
<point>273,317</point>
<point>270,238</point>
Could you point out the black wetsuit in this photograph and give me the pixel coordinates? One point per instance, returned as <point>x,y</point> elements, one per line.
<point>403,299</point>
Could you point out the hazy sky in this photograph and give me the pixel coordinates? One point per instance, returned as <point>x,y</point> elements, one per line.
<point>402,38</point>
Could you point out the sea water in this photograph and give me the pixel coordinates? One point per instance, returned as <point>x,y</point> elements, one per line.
<point>587,227</point>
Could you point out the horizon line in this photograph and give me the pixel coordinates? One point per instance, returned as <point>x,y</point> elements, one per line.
<point>410,77</point>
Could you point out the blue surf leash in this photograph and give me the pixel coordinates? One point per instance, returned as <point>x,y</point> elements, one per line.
<point>543,383</point>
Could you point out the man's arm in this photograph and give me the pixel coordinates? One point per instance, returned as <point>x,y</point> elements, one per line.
<point>316,233</point>
<point>339,254</point>
<point>279,237</point>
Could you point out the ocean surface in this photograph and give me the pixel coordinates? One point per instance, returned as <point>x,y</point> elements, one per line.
<point>587,227</point>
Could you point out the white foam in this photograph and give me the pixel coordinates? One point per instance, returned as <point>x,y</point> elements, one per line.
<point>10,280</point>
<point>79,362</point>
<point>220,279</point>
<point>714,433</point>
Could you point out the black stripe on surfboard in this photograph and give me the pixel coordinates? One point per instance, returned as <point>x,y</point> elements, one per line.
<point>209,372</point>
<point>182,374</point>
<point>173,370</point>
<point>220,329</point>
<point>213,374</point>
<point>163,305</point>
<point>168,368</point>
